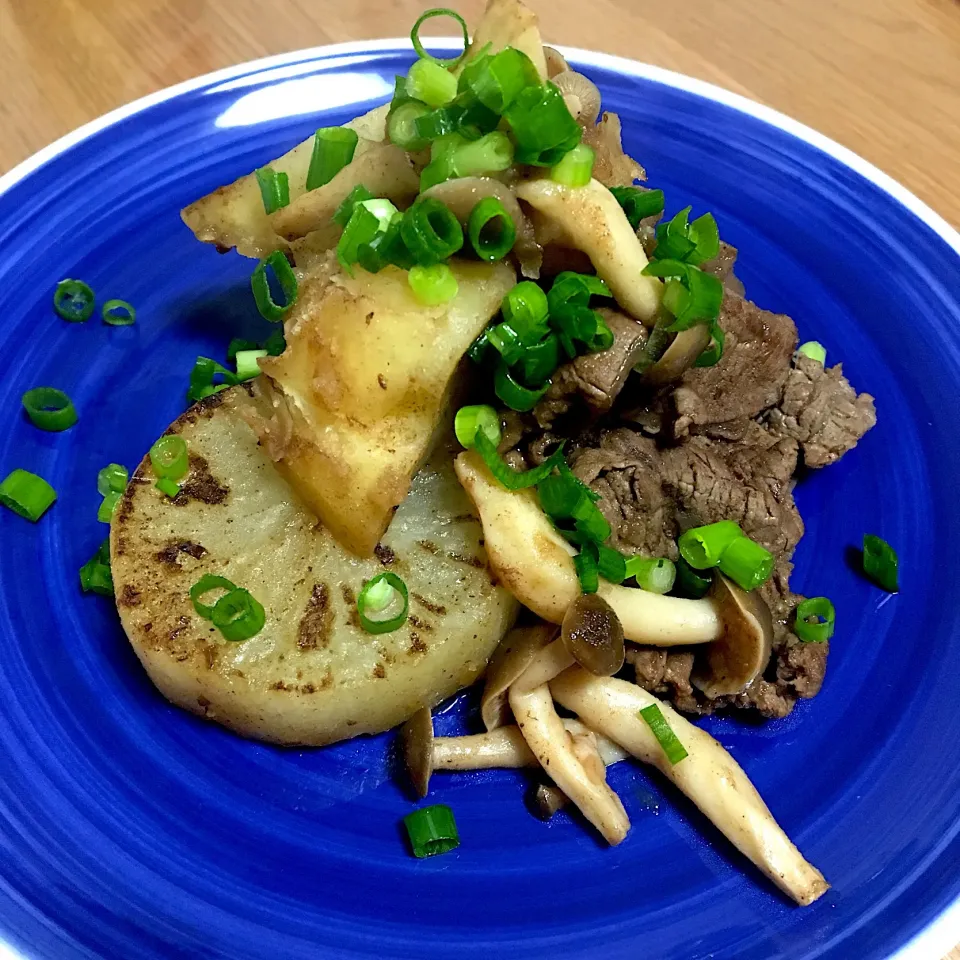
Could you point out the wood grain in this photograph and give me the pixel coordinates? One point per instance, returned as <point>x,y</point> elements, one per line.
<point>880,76</point>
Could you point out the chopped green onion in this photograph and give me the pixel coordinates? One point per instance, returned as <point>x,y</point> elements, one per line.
<point>702,547</point>
<point>603,338</point>
<point>575,323</point>
<point>689,582</point>
<point>653,574</point>
<point>379,596</point>
<point>747,563</point>
<point>504,474</point>
<point>402,125</point>
<point>667,739</point>
<point>638,204</point>
<point>491,230</point>
<point>814,350</point>
<point>471,419</point>
<point>247,366</point>
<point>345,211</point>
<point>439,12</point>
<point>569,288</point>
<point>435,125</point>
<point>386,624</point>
<point>431,84</point>
<point>815,620</point>
<point>611,564</point>
<point>73,300</point>
<point>537,363</point>
<point>333,149</point>
<point>238,615</point>
<point>526,307</point>
<point>586,563</point>
<point>369,219</point>
<point>274,189</point>
<point>112,479</point>
<point>434,284</point>
<point>275,344</point>
<point>268,307</point>
<point>49,409</point>
<point>496,81</point>
<point>560,495</point>
<point>108,507</point>
<point>880,562</point>
<point>95,574</point>
<point>692,243</point>
<point>237,344</point>
<point>481,351</point>
<point>169,457</point>
<point>432,831</point>
<point>430,231</point>
<point>202,378</point>
<point>492,153</point>
<point>590,521</point>
<point>703,304</point>
<point>205,585</point>
<point>27,494</point>
<point>542,125</point>
<point>576,167</point>
<point>168,487</point>
<point>118,313</point>
<point>474,120</point>
<point>714,350</point>
<point>513,394</point>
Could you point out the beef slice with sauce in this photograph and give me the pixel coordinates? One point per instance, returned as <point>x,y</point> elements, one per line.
<point>593,381</point>
<point>822,412</point>
<point>749,377</point>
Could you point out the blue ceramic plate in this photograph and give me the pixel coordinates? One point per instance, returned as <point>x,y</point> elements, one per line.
<point>130,829</point>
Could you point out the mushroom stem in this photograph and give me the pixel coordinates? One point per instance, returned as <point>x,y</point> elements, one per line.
<point>535,564</point>
<point>503,747</point>
<point>709,776</point>
<point>550,662</point>
<point>544,732</point>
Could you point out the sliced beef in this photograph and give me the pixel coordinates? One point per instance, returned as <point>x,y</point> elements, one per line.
<point>665,672</point>
<point>749,377</point>
<point>595,379</point>
<point>721,266</point>
<point>625,470</point>
<point>822,412</point>
<point>748,483</point>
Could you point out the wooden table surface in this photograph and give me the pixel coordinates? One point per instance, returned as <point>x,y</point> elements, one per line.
<point>880,76</point>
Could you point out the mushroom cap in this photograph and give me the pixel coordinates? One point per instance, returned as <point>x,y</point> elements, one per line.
<point>416,743</point>
<point>680,356</point>
<point>734,660</point>
<point>546,799</point>
<point>516,652</point>
<point>593,635</point>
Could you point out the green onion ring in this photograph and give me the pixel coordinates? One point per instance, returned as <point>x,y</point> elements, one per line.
<point>432,831</point>
<point>667,739</point>
<point>393,623</point>
<point>49,409</point>
<point>505,474</point>
<point>268,307</point>
<point>238,615</point>
<point>204,585</point>
<point>74,301</point>
<point>119,313</point>
<point>815,621</point>
<point>439,12</point>
<point>169,457</point>
<point>27,494</point>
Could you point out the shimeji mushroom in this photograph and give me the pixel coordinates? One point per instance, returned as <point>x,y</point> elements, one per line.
<point>552,745</point>
<point>708,775</point>
<point>504,748</point>
<point>517,650</point>
<point>590,219</point>
<point>680,356</point>
<point>733,661</point>
<point>535,564</point>
<point>590,635</point>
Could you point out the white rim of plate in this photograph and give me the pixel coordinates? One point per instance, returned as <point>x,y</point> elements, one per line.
<point>943,933</point>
